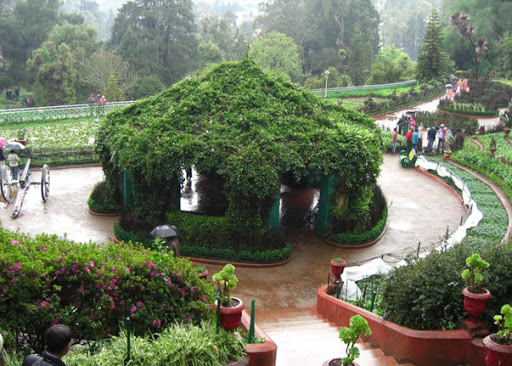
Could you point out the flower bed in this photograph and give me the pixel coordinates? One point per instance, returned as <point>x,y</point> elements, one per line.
<point>466,109</point>
<point>48,280</point>
<point>503,148</point>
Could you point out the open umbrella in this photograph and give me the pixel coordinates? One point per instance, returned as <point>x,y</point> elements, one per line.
<point>13,145</point>
<point>2,142</point>
<point>164,231</point>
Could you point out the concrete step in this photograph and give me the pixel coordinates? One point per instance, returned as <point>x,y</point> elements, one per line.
<point>301,325</point>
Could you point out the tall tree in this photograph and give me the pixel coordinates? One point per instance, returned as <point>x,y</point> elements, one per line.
<point>22,30</point>
<point>53,67</point>
<point>391,65</point>
<point>277,52</point>
<point>359,57</point>
<point>432,60</point>
<point>223,33</point>
<point>468,31</point>
<point>157,37</point>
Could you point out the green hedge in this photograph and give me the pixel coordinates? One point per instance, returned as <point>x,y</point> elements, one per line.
<point>98,200</point>
<point>426,294</point>
<point>473,112</point>
<point>48,280</point>
<point>362,238</point>
<point>215,237</point>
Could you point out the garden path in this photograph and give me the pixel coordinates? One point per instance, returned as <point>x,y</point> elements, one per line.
<point>420,210</point>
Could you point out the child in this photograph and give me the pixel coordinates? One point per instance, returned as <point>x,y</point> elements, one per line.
<point>13,159</point>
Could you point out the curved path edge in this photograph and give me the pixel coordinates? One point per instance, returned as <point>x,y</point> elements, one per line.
<point>356,246</point>
<point>501,195</point>
<point>478,143</point>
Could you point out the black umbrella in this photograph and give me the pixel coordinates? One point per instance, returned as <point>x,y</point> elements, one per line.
<point>165,231</point>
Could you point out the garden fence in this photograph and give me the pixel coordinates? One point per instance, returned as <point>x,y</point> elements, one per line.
<point>20,115</point>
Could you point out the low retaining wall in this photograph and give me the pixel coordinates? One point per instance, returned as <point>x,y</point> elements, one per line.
<point>259,354</point>
<point>420,347</point>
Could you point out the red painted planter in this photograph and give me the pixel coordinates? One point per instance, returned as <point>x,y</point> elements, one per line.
<point>496,354</point>
<point>231,317</point>
<point>337,268</point>
<point>475,304</point>
<point>203,275</point>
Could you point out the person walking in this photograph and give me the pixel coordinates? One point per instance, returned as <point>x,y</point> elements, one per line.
<point>441,135</point>
<point>408,138</point>
<point>58,342</point>
<point>415,139</point>
<point>431,137</point>
<point>13,160</point>
<point>394,137</point>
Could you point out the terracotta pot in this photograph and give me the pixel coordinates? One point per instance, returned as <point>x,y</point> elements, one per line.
<point>496,354</point>
<point>203,275</point>
<point>492,151</point>
<point>337,268</point>
<point>231,317</point>
<point>475,304</point>
<point>506,131</point>
<point>447,155</point>
<point>23,142</point>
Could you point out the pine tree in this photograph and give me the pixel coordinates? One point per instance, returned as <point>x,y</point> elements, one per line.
<point>432,60</point>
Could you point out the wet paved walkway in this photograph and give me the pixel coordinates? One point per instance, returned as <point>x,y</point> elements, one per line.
<point>420,209</point>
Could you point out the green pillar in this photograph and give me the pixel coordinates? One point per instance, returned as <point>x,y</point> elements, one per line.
<point>327,190</point>
<point>177,196</point>
<point>273,216</point>
<point>129,199</point>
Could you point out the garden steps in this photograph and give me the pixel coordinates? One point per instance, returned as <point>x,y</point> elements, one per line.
<point>304,338</point>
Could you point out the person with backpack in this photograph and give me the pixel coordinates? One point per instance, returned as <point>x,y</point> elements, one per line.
<point>58,342</point>
<point>431,138</point>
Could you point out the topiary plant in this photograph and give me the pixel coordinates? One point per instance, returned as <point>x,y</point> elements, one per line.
<point>225,280</point>
<point>504,323</point>
<point>358,327</point>
<point>473,274</point>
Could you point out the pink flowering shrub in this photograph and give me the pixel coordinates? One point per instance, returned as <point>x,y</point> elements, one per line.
<point>48,280</point>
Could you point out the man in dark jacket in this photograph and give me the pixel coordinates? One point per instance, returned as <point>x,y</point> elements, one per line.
<point>58,341</point>
<point>431,137</point>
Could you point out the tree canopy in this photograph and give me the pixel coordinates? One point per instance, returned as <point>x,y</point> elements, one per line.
<point>240,124</point>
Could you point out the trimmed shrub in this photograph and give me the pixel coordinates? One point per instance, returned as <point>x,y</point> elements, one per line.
<point>48,280</point>
<point>208,236</point>
<point>365,237</point>
<point>426,294</point>
<point>99,201</point>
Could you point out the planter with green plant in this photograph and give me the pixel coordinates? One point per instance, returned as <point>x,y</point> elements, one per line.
<point>338,266</point>
<point>349,335</point>
<point>475,296</point>
<point>201,272</point>
<point>498,346</point>
<point>231,308</point>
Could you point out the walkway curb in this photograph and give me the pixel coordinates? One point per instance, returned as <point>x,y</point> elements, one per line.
<point>439,180</point>
<point>475,140</point>
<point>467,115</point>
<point>99,214</point>
<point>503,198</point>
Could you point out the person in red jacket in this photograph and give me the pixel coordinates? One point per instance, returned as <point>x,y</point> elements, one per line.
<point>408,138</point>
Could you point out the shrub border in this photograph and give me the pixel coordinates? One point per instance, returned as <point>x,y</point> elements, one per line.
<point>469,114</point>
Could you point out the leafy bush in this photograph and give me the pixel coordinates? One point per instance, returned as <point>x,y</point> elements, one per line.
<point>492,95</point>
<point>449,106</point>
<point>362,238</point>
<point>99,201</point>
<point>177,345</point>
<point>217,237</point>
<point>48,280</point>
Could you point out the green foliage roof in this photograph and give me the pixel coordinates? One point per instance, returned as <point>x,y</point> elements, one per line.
<point>247,126</point>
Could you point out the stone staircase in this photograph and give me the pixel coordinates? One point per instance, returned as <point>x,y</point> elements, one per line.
<point>305,339</point>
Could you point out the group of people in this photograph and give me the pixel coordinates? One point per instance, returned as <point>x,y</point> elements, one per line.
<point>99,100</point>
<point>414,136</point>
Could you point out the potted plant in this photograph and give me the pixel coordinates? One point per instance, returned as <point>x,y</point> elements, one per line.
<point>358,327</point>
<point>475,296</point>
<point>22,136</point>
<point>338,266</point>
<point>505,117</point>
<point>201,272</point>
<point>231,308</point>
<point>498,346</point>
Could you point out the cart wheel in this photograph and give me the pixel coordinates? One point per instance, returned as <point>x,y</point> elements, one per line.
<point>45,182</point>
<point>6,183</point>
